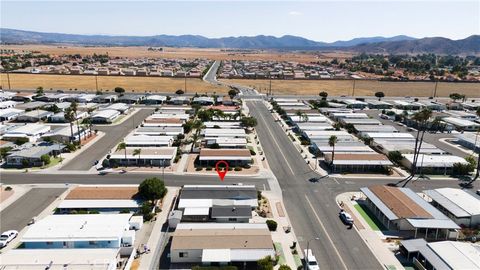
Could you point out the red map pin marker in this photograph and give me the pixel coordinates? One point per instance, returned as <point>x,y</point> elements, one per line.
<point>221,173</point>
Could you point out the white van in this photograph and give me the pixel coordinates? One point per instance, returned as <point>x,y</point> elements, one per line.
<point>310,260</point>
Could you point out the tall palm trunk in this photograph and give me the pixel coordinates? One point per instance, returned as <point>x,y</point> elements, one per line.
<point>126,160</point>
<point>71,133</point>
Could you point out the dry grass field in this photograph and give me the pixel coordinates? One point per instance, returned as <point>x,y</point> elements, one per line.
<point>87,83</point>
<point>362,88</point>
<point>189,53</point>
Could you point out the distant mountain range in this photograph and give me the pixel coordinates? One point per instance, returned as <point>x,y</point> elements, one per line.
<point>396,44</point>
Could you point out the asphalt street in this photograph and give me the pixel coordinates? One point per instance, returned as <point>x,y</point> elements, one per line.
<point>311,207</point>
<point>17,215</point>
<point>129,178</point>
<point>113,135</point>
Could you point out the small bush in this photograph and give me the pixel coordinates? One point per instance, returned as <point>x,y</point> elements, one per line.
<point>237,169</point>
<point>272,225</point>
<point>209,168</point>
<point>198,168</point>
<point>252,152</point>
<point>8,188</point>
<point>94,212</point>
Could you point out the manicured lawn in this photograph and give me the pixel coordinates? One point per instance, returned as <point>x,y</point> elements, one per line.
<point>298,261</point>
<point>368,216</point>
<point>279,250</point>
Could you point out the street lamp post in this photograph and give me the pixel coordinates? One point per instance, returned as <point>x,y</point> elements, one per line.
<point>308,250</point>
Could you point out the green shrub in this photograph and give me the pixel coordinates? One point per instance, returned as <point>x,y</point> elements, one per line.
<point>237,169</point>
<point>272,225</point>
<point>8,188</point>
<point>94,212</point>
<point>265,263</point>
<point>45,159</point>
<point>209,168</point>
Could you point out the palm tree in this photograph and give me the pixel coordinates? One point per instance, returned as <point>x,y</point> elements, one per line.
<point>421,118</point>
<point>73,110</point>
<point>88,123</point>
<point>137,151</point>
<point>123,146</point>
<point>332,141</point>
<point>70,117</point>
<point>299,114</point>
<point>477,173</point>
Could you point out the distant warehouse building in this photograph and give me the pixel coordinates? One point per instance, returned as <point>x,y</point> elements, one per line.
<point>402,210</point>
<point>460,205</point>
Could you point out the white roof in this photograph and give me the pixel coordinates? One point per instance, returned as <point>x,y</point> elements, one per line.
<point>29,129</point>
<point>349,115</point>
<point>78,258</point>
<point>196,211</point>
<point>216,255</point>
<point>458,255</point>
<point>189,203</point>
<point>459,122</point>
<point>469,137</point>
<point>106,114</point>
<point>118,107</point>
<point>309,119</point>
<point>222,124</point>
<point>229,141</point>
<point>218,132</point>
<point>78,227</point>
<point>456,201</point>
<point>98,204</point>
<point>226,226</point>
<point>242,255</point>
<point>156,97</point>
<point>435,160</point>
<point>392,135</point>
<point>147,139</point>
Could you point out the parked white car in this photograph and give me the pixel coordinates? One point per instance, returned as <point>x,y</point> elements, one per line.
<point>310,260</point>
<point>7,237</point>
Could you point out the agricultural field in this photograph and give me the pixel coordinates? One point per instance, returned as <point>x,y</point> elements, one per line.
<point>362,87</point>
<point>189,53</point>
<point>105,83</point>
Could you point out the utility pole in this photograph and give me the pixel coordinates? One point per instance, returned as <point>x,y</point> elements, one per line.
<point>353,92</point>
<point>185,83</point>
<point>96,82</point>
<point>8,79</point>
<point>435,89</point>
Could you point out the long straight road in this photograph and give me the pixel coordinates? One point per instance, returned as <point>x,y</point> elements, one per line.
<point>113,135</point>
<point>311,207</point>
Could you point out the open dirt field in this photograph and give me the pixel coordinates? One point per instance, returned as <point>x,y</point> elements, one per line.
<point>362,88</point>
<point>189,53</point>
<point>105,83</point>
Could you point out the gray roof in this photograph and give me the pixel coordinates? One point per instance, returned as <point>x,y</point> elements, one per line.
<point>220,192</point>
<point>33,152</point>
<point>231,211</point>
<point>420,245</point>
<point>458,202</point>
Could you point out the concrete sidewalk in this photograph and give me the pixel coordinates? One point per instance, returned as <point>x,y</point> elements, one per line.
<point>155,241</point>
<point>285,240</point>
<point>373,239</point>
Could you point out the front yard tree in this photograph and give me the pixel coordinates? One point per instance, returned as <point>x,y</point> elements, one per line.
<point>248,121</point>
<point>179,92</point>
<point>379,95</point>
<point>119,90</point>
<point>152,189</point>
<point>39,91</point>
<point>456,96</point>
<point>137,151</point>
<point>323,94</point>
<point>395,156</point>
<point>232,93</point>
<point>45,159</point>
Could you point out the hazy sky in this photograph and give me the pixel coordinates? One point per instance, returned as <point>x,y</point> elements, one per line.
<point>317,20</point>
